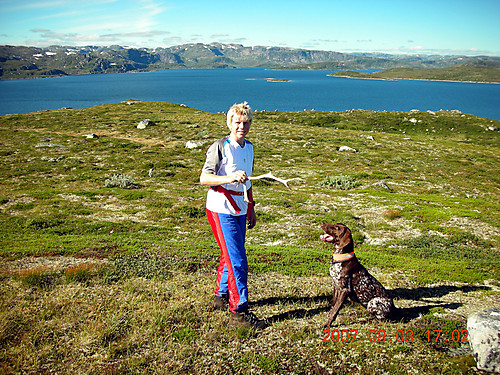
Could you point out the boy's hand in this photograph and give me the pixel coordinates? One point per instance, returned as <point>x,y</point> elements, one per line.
<point>239,176</point>
<point>252,219</point>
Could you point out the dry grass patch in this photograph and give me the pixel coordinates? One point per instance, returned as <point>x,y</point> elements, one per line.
<point>392,214</point>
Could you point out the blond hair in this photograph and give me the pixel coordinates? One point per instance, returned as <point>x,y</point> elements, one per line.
<point>241,109</point>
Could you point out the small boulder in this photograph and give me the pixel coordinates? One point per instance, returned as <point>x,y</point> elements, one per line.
<point>144,123</point>
<point>131,102</point>
<point>484,339</point>
<point>383,185</point>
<point>346,149</point>
<point>367,136</point>
<point>194,144</point>
<point>48,145</point>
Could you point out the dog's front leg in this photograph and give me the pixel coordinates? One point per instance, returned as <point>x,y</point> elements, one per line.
<point>337,301</point>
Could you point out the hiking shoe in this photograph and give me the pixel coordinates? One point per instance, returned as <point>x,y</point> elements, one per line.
<point>246,319</point>
<point>221,303</point>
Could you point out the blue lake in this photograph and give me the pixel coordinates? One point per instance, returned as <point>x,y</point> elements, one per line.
<point>214,90</point>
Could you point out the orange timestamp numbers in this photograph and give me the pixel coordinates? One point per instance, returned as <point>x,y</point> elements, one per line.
<point>351,335</point>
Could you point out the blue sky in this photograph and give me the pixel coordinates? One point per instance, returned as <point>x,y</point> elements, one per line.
<point>469,27</point>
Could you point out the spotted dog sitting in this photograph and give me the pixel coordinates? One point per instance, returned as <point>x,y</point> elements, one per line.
<point>351,279</point>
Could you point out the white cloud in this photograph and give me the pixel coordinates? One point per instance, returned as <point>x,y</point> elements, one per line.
<point>172,41</point>
<point>60,4</point>
<point>32,5</point>
<point>147,14</point>
<point>422,50</point>
<point>141,39</point>
<point>70,13</point>
<point>145,34</point>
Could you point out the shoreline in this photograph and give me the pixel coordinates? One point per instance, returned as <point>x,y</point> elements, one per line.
<point>269,79</point>
<point>412,79</point>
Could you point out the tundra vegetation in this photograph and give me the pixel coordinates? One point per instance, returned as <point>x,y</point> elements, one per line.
<point>108,263</point>
<point>479,72</point>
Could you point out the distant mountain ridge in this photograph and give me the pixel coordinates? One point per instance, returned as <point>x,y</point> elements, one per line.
<point>31,62</point>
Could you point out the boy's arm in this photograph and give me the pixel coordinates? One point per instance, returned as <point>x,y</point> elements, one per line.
<point>251,216</point>
<point>210,179</point>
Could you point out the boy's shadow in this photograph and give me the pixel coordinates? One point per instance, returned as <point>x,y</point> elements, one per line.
<point>297,313</point>
<point>406,314</point>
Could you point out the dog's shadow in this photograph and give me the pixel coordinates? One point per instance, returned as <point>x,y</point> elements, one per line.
<point>406,314</point>
<point>422,293</point>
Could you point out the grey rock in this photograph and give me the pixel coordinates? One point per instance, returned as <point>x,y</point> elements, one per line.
<point>367,136</point>
<point>382,184</point>
<point>144,123</point>
<point>52,159</point>
<point>194,144</point>
<point>346,149</point>
<point>48,145</point>
<point>484,339</point>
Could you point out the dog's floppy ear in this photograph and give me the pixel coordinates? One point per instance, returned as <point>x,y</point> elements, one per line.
<point>344,237</point>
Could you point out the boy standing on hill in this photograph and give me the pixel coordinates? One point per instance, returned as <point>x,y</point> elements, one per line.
<point>228,164</point>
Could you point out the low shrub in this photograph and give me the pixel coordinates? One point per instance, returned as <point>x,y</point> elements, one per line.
<point>442,332</point>
<point>144,265</point>
<point>82,272</point>
<point>41,223</point>
<point>392,214</point>
<point>40,277</point>
<point>189,212</point>
<point>340,182</point>
<point>462,246</point>
<point>121,181</point>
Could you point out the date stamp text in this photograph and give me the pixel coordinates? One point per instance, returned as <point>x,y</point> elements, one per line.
<point>400,336</point>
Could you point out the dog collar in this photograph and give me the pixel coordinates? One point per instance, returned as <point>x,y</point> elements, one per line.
<point>339,258</point>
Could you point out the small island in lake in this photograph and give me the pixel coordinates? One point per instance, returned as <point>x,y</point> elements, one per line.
<point>277,80</point>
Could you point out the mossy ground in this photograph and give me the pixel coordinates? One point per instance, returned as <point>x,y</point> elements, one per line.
<point>99,279</point>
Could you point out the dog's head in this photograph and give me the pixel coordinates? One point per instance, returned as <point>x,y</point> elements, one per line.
<point>338,234</point>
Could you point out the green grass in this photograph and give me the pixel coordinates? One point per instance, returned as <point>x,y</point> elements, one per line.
<point>98,278</point>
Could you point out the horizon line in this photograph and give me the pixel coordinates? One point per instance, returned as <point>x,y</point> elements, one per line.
<point>416,53</point>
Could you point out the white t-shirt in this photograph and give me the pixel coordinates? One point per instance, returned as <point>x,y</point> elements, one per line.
<point>225,157</point>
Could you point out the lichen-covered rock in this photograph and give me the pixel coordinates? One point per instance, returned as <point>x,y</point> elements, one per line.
<point>346,149</point>
<point>194,144</point>
<point>484,339</point>
<point>144,123</point>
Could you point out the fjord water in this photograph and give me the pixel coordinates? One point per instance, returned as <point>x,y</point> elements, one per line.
<point>214,90</point>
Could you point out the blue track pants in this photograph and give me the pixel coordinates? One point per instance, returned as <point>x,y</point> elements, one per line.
<point>232,274</point>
